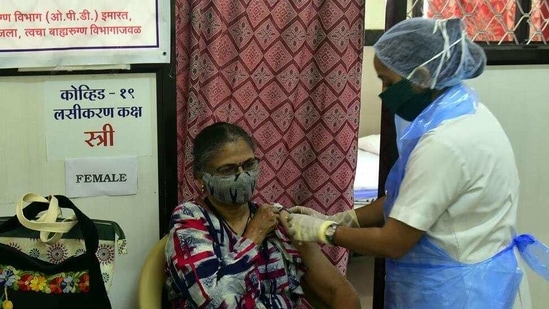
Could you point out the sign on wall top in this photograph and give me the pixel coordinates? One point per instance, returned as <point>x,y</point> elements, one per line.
<point>57,33</point>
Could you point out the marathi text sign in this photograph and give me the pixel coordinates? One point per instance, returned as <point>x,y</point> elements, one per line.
<point>69,33</point>
<point>98,117</point>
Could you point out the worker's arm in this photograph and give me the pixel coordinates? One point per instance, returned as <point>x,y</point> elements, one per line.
<point>392,240</point>
<point>372,214</point>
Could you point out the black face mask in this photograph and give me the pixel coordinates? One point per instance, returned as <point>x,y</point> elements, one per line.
<point>401,99</point>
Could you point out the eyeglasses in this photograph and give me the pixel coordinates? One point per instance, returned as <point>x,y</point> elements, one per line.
<point>251,164</point>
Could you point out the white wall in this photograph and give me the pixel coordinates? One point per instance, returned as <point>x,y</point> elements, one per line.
<point>519,97</point>
<point>24,168</point>
<point>374,15</point>
<point>370,106</point>
<point>370,111</point>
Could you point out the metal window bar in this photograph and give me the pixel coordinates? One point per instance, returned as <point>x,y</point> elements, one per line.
<point>522,21</point>
<point>512,32</point>
<point>522,28</point>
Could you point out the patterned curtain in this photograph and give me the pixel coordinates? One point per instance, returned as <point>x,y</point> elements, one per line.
<point>289,72</point>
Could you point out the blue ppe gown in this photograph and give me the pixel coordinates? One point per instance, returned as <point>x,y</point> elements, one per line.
<point>427,277</point>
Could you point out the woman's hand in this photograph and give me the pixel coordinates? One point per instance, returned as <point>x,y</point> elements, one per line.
<point>263,222</point>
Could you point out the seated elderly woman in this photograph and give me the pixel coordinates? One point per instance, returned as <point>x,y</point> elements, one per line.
<point>224,251</point>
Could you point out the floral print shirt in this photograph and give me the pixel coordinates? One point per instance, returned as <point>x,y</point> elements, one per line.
<point>209,266</point>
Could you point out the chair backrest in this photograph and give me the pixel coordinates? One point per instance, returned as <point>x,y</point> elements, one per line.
<point>152,277</point>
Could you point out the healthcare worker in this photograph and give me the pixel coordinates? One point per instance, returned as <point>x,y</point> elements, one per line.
<point>447,224</point>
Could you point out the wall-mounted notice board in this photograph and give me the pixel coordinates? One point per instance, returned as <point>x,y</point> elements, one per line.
<point>60,33</point>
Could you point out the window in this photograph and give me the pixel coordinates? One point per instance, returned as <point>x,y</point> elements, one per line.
<point>493,21</point>
<point>511,31</point>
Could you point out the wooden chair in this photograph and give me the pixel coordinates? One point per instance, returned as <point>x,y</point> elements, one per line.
<point>152,278</point>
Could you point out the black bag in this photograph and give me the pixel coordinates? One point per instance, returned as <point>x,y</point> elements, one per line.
<point>32,283</point>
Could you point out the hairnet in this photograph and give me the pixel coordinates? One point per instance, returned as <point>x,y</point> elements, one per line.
<point>432,53</point>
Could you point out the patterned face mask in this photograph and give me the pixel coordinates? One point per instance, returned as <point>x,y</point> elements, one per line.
<point>232,189</point>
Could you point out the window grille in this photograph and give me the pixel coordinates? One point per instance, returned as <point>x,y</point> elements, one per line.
<point>493,22</point>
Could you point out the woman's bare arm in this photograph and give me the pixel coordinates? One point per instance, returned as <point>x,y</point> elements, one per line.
<point>324,285</point>
<point>324,281</point>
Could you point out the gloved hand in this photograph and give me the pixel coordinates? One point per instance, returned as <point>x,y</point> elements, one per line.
<point>307,228</point>
<point>346,218</point>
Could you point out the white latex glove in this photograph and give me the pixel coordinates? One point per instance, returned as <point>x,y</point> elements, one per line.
<point>307,228</point>
<point>346,218</point>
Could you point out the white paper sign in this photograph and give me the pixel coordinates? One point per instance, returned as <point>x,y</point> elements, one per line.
<point>57,33</point>
<point>98,117</point>
<point>101,176</point>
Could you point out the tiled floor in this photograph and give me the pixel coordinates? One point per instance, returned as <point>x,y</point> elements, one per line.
<point>360,273</point>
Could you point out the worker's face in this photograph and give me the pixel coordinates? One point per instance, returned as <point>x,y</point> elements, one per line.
<point>389,78</point>
<point>386,76</point>
<point>399,95</point>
